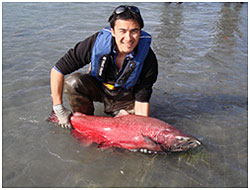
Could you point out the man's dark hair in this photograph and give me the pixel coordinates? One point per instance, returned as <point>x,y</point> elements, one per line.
<point>126,15</point>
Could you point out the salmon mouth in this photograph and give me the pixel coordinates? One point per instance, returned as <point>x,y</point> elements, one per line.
<point>182,143</point>
<point>186,144</point>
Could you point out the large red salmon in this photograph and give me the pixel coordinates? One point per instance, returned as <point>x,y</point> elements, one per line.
<point>130,132</point>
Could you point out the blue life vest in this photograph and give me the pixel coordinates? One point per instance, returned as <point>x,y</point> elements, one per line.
<point>102,47</point>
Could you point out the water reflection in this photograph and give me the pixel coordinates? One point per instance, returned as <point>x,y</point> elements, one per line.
<point>169,31</point>
<point>227,26</point>
<point>226,62</point>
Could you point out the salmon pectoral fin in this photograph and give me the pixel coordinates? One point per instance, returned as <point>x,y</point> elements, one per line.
<point>82,138</point>
<point>149,141</point>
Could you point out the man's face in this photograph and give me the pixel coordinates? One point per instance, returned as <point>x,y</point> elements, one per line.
<point>127,34</point>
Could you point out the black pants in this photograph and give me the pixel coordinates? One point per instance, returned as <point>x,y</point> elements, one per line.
<point>83,89</point>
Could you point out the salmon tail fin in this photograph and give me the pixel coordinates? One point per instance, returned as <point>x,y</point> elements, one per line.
<point>52,117</point>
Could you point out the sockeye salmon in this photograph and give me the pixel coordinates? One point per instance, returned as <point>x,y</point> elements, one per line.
<point>132,132</point>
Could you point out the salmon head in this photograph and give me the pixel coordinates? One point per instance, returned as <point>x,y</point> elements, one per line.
<point>175,141</point>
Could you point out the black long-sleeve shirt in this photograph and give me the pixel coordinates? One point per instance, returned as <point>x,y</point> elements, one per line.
<point>80,56</point>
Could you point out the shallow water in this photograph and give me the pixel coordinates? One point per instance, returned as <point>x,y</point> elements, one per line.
<point>201,89</point>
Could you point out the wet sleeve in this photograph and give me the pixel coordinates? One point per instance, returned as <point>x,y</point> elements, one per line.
<point>77,57</point>
<point>148,76</point>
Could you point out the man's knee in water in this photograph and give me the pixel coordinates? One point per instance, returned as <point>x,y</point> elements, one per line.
<point>72,82</point>
<point>83,84</point>
<point>77,95</point>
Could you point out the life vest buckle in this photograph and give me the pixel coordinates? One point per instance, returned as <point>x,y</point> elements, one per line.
<point>109,86</point>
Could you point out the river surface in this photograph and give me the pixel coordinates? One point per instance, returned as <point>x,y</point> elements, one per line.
<point>202,50</point>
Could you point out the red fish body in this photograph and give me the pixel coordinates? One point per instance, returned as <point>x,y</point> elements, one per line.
<point>131,132</point>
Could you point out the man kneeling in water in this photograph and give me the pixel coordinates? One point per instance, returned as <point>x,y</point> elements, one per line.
<point>122,72</point>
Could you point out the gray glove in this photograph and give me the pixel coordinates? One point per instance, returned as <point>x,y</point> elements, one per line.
<point>63,115</point>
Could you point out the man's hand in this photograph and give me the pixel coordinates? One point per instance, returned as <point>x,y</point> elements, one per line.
<point>63,116</point>
<point>141,108</point>
<point>121,113</point>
